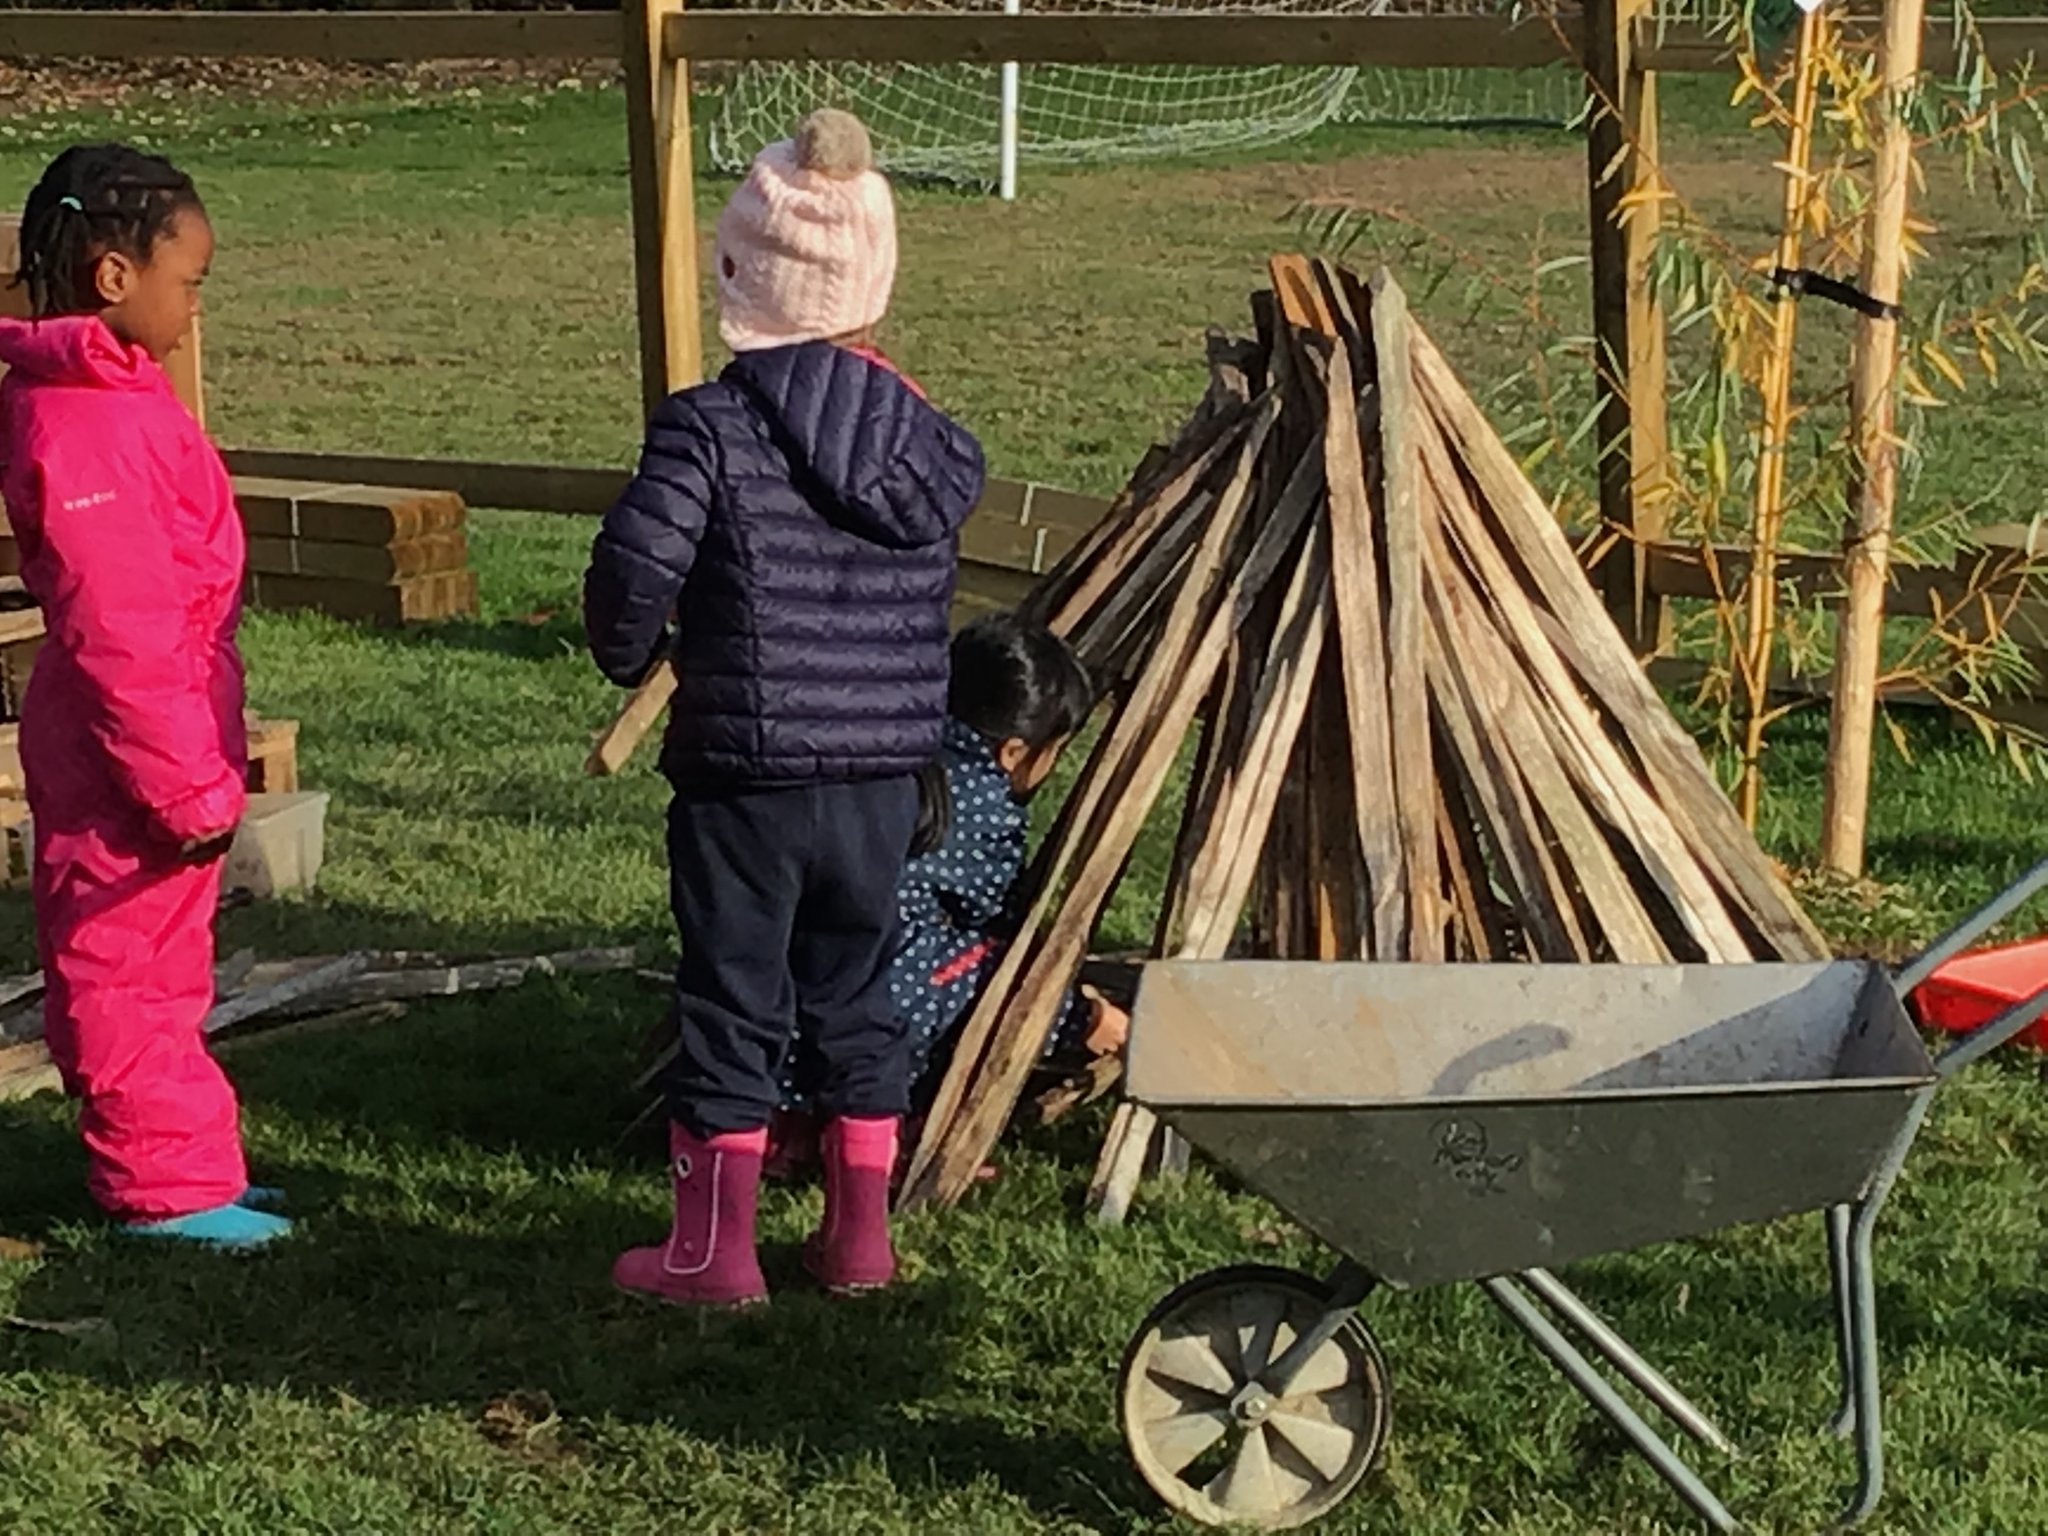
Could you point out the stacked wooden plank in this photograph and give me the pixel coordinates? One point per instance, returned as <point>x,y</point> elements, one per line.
<point>21,637</point>
<point>366,553</point>
<point>1418,735</point>
<point>358,552</point>
<point>14,819</point>
<point>13,305</point>
<point>1017,535</point>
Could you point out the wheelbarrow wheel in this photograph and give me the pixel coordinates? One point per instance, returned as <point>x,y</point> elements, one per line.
<point>1214,1441</point>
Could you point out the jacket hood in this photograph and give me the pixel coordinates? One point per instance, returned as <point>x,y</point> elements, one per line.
<point>76,350</point>
<point>894,470</point>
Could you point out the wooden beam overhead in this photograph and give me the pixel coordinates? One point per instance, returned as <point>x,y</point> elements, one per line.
<point>1390,42</point>
<point>1394,42</point>
<point>326,36</point>
<point>2009,42</point>
<point>573,490</point>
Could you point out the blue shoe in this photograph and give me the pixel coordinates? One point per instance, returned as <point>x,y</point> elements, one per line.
<point>263,1197</point>
<point>235,1228</point>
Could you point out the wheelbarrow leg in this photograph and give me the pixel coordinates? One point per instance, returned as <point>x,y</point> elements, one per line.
<point>1861,1341</point>
<point>1840,1218</point>
<point>1868,1416</point>
<point>1600,1392</point>
<point>1349,1284</point>
<point>1622,1355</point>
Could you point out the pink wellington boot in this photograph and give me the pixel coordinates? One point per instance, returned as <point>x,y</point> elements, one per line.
<point>850,1252</point>
<point>709,1258</point>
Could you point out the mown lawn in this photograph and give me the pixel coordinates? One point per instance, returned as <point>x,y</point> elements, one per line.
<point>441,1352</point>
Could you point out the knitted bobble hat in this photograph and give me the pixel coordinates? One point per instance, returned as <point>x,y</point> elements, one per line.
<point>807,245</point>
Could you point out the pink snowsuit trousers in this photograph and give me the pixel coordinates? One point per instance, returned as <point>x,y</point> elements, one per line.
<point>132,743</point>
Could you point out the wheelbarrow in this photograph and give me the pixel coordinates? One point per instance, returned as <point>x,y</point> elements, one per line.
<point>1439,1123</point>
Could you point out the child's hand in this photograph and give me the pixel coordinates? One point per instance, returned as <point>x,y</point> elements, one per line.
<point>1112,1025</point>
<point>206,849</point>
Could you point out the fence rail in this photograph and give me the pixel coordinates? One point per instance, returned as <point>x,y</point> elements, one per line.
<point>1386,42</point>
<point>1626,48</point>
<point>332,37</point>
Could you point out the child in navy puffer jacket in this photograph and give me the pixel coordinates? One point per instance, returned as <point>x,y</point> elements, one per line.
<point>798,517</point>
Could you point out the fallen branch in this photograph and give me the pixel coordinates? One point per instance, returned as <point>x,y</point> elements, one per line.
<point>73,1328</point>
<point>337,992</point>
<point>262,1000</point>
<point>21,1016</point>
<point>26,1022</point>
<point>232,974</point>
<point>26,1070</point>
<point>477,976</point>
<point>655,1068</point>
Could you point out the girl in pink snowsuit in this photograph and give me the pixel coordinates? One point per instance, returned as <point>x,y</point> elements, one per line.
<point>132,736</point>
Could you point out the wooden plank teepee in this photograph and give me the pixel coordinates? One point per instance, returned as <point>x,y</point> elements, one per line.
<point>1420,737</point>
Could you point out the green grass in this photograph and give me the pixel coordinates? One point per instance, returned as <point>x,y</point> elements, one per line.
<point>450,276</point>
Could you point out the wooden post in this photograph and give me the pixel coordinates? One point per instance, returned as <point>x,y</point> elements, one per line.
<point>1628,323</point>
<point>1866,549</point>
<point>13,299</point>
<point>661,157</point>
<point>1767,522</point>
<point>188,375</point>
<point>664,208</point>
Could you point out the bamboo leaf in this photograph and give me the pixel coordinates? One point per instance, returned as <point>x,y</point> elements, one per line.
<point>1944,365</point>
<point>1898,734</point>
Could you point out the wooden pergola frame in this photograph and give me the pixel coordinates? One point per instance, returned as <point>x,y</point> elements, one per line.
<point>657,40</point>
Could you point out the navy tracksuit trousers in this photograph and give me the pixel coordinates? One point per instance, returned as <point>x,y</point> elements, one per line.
<point>785,902</point>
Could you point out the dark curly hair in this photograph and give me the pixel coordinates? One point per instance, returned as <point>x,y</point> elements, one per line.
<point>93,199</point>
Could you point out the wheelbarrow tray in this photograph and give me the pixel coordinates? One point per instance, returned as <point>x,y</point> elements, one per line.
<point>1437,1123</point>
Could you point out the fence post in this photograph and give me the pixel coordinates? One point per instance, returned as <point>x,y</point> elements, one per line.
<point>1628,323</point>
<point>1011,125</point>
<point>1866,546</point>
<point>187,372</point>
<point>661,159</point>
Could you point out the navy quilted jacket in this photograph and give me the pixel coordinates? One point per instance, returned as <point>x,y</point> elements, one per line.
<point>798,518</point>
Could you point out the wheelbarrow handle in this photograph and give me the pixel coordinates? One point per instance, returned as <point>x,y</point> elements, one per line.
<point>1986,1038</point>
<point>1971,929</point>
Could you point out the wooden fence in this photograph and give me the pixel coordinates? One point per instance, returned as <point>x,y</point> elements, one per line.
<point>1622,52</point>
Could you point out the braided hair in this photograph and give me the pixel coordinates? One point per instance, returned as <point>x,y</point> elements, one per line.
<point>95,199</point>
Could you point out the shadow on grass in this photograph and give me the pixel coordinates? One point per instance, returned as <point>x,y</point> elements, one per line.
<point>325,925</point>
<point>1931,859</point>
<point>545,635</point>
<point>399,1315</point>
<point>464,1197</point>
<point>1777,1307</point>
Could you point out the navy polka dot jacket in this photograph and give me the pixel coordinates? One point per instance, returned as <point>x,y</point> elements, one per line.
<point>959,905</point>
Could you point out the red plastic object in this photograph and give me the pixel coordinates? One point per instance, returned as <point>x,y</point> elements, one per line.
<point>1976,987</point>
